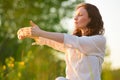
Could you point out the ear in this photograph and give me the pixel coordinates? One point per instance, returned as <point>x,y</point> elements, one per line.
<point>32,24</point>
<point>89,20</point>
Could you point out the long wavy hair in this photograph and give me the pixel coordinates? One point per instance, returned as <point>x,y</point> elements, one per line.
<point>95,26</point>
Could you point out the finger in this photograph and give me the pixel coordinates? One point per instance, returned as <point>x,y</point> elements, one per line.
<point>20,37</point>
<point>18,32</point>
<point>32,24</point>
<point>34,43</point>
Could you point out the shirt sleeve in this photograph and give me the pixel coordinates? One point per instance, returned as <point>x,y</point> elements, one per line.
<point>85,44</point>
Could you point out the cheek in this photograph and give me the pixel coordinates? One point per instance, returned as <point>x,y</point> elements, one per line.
<point>83,22</point>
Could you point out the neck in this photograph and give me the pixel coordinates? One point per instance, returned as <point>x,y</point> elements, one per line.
<point>84,31</point>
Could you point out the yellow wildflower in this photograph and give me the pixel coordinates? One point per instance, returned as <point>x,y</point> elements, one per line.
<point>4,67</point>
<point>12,59</point>
<point>22,63</point>
<point>19,74</point>
<point>11,65</point>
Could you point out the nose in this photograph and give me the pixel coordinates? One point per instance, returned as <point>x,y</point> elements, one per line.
<point>75,18</point>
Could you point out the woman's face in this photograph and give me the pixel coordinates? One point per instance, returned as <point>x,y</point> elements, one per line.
<point>81,18</point>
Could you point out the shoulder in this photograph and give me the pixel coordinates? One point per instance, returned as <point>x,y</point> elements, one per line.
<point>95,39</point>
<point>98,39</point>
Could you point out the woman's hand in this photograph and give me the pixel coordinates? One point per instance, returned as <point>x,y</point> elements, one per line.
<point>35,30</point>
<point>29,32</point>
<point>24,32</point>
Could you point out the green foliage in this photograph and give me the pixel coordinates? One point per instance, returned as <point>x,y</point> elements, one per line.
<point>116,74</point>
<point>107,72</point>
<point>106,68</point>
<point>19,60</point>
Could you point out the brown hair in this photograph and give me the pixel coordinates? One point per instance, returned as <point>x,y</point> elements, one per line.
<point>95,26</point>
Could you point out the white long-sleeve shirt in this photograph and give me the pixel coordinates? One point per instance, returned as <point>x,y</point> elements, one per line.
<point>83,55</point>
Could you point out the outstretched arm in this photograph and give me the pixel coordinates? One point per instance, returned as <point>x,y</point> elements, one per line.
<point>35,31</point>
<point>51,39</point>
<point>44,41</point>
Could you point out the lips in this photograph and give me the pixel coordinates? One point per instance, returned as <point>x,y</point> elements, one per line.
<point>75,22</point>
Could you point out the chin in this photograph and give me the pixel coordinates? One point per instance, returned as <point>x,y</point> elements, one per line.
<point>78,27</point>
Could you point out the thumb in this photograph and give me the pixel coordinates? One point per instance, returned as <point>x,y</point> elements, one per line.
<point>32,24</point>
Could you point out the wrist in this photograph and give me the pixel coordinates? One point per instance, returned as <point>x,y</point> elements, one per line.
<point>40,32</point>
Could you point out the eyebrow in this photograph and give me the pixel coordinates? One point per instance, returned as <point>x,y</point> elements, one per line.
<point>79,13</point>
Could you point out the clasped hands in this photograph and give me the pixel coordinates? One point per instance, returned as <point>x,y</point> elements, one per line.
<point>29,32</point>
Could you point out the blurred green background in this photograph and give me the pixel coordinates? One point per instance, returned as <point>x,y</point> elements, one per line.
<point>19,60</point>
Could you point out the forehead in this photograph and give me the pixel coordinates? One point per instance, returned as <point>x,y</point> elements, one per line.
<point>81,10</point>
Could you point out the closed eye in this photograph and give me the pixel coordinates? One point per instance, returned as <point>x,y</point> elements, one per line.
<point>80,14</point>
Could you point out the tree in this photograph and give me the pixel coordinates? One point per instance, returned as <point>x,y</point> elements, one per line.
<point>37,62</point>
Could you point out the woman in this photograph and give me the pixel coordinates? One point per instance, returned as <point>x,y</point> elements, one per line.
<point>84,50</point>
